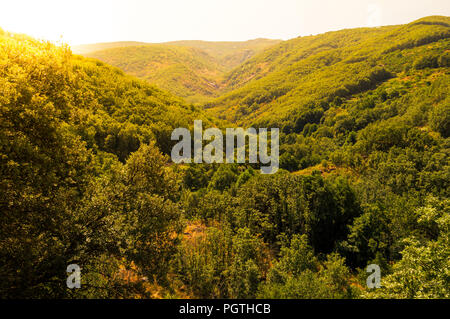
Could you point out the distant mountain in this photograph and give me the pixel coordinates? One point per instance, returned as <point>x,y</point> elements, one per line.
<point>186,72</point>
<point>190,69</point>
<point>89,48</point>
<point>227,53</point>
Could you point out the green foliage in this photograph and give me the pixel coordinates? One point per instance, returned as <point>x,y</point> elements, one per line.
<point>195,177</point>
<point>223,178</point>
<point>190,69</point>
<point>296,258</point>
<point>440,118</point>
<point>63,199</point>
<point>372,109</point>
<point>229,54</point>
<point>222,265</point>
<point>368,236</point>
<point>297,275</point>
<point>282,85</point>
<point>365,169</point>
<point>186,72</point>
<point>423,271</point>
<point>286,205</point>
<point>244,177</point>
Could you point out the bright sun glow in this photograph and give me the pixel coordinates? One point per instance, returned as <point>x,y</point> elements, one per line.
<point>89,21</point>
<point>67,21</point>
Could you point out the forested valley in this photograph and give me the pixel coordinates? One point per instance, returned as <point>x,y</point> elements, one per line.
<point>87,179</point>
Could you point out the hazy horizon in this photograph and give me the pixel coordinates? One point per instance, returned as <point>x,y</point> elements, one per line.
<point>88,22</point>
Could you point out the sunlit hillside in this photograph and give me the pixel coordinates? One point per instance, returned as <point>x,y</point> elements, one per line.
<point>308,74</point>
<point>363,179</point>
<point>193,70</point>
<point>186,72</point>
<point>229,54</point>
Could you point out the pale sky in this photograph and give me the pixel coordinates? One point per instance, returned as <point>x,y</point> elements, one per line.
<point>91,21</point>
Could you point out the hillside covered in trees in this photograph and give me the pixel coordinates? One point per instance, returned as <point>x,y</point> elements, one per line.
<point>193,70</point>
<point>364,116</point>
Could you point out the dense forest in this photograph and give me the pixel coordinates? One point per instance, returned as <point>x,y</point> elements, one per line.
<point>86,177</point>
<point>193,70</point>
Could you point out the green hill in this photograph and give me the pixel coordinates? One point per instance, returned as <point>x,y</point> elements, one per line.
<point>310,73</point>
<point>364,175</point>
<point>186,72</point>
<point>69,126</point>
<point>110,110</point>
<point>229,54</point>
<point>190,69</point>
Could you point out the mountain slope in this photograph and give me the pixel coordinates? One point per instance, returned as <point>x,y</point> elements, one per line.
<point>229,54</point>
<point>365,121</point>
<point>80,174</point>
<point>289,52</point>
<point>190,69</point>
<point>111,111</point>
<point>186,72</point>
<point>301,75</point>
